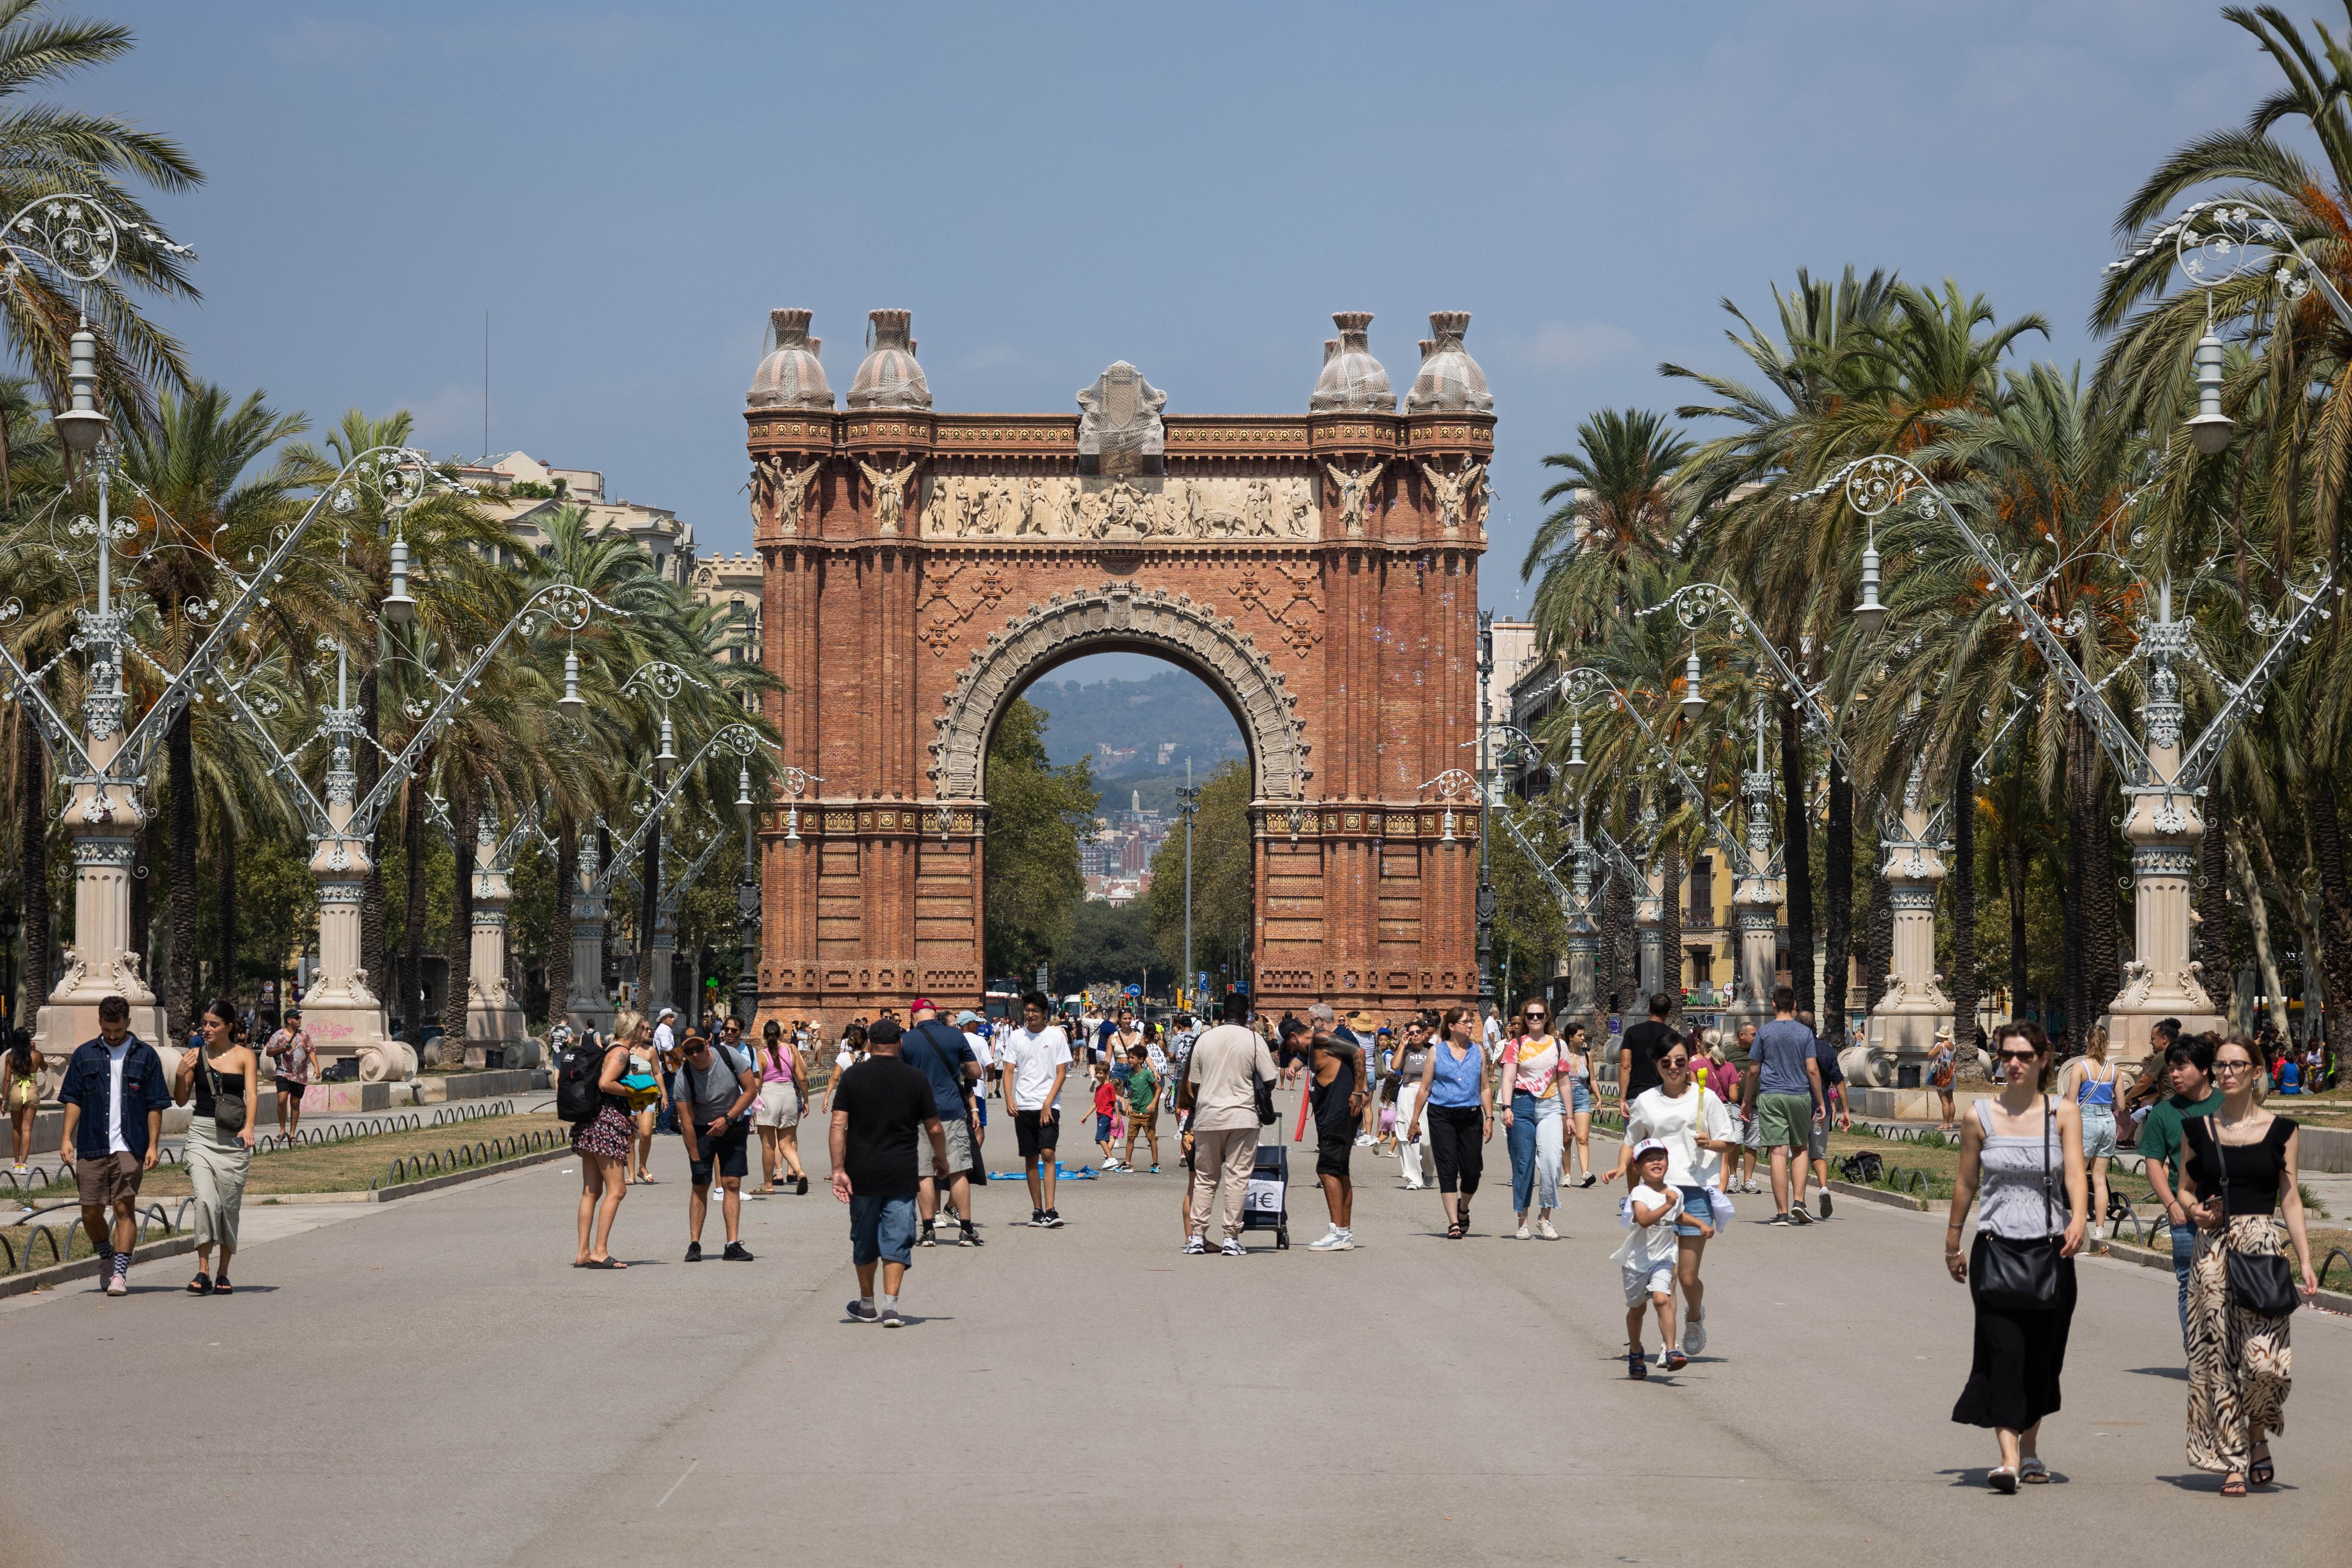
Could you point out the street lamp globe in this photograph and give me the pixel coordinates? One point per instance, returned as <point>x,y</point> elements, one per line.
<point>2211,429</point>
<point>1870,614</point>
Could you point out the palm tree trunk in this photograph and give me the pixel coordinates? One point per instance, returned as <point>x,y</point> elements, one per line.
<point>412,916</point>
<point>224,853</point>
<point>1670,975</point>
<point>2216,944</point>
<point>1797,857</point>
<point>559,938</point>
<point>461,931</point>
<point>1964,897</point>
<point>2336,901</point>
<point>33,862</point>
<point>370,766</point>
<point>2258,917</point>
<point>180,986</point>
<point>2013,874</point>
<point>649,894</point>
<point>1837,897</point>
<point>1879,940</point>
<point>2094,891</point>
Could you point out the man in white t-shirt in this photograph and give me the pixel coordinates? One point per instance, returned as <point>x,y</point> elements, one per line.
<point>666,1033</point>
<point>1033,1060</point>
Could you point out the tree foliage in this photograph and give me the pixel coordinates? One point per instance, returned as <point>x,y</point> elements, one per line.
<point>1031,868</point>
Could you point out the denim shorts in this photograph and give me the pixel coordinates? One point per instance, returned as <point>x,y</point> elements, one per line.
<point>2098,1133</point>
<point>1580,1095</point>
<point>881,1229</point>
<point>1696,1206</point>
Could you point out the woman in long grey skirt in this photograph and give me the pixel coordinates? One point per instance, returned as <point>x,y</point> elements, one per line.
<point>222,1078</point>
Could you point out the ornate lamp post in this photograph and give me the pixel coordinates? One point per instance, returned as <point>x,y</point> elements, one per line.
<point>341,1009</point>
<point>2162,780</point>
<point>662,681</point>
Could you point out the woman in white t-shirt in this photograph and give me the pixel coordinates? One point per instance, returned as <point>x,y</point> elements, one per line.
<point>1697,1130</point>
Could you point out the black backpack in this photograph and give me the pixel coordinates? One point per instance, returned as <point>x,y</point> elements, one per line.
<point>577,1070</point>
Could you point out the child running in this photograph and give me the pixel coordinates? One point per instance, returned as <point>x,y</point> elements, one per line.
<point>1105,1108</point>
<point>1647,1259</point>
<point>1336,1103</point>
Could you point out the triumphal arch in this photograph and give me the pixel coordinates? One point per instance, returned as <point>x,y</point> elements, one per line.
<point>1320,569</point>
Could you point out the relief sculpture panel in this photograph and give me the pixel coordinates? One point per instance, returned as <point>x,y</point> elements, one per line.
<point>998,507</point>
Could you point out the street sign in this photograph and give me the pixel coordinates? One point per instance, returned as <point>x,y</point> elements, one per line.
<point>1241,987</point>
<point>1134,990</point>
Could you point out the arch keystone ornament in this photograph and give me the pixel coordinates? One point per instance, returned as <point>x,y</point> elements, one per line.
<point>923,568</point>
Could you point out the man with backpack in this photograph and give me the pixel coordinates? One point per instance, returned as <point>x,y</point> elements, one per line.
<point>714,1091</point>
<point>940,1053</point>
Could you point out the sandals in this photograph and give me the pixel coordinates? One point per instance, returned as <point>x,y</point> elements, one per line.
<point>2234,1485</point>
<point>202,1285</point>
<point>221,1287</point>
<point>2034,1473</point>
<point>2002,1479</point>
<point>2262,1472</point>
<point>601,1263</point>
<point>1454,1231</point>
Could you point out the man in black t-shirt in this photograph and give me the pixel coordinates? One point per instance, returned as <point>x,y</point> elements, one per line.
<point>1637,1070</point>
<point>878,1108</point>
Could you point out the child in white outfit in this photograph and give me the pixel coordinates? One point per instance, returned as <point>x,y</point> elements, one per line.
<point>1647,1259</point>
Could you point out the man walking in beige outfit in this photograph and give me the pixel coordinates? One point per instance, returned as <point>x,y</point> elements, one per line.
<point>1221,1082</point>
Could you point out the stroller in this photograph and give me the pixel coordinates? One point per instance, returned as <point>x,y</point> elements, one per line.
<point>1266,1205</point>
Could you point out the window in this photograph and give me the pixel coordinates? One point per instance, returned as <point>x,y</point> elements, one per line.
<point>1702,967</point>
<point>1700,910</point>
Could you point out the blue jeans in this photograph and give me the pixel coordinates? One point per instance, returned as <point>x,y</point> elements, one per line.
<point>1536,1144</point>
<point>2184,1248</point>
<point>881,1229</point>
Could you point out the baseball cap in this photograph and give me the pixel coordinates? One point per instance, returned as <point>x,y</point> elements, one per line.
<point>923,1004</point>
<point>1647,1147</point>
<point>967,1016</point>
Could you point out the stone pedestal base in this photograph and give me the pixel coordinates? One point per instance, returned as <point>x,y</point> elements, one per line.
<point>350,1028</point>
<point>495,1024</point>
<point>62,1026</point>
<point>1897,1048</point>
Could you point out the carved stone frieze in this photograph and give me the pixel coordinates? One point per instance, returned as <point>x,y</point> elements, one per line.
<point>1194,634</point>
<point>1142,506</point>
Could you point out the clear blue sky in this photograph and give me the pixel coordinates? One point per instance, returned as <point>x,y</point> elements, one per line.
<point>627,190</point>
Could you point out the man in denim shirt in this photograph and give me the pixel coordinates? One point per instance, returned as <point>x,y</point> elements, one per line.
<point>114,1096</point>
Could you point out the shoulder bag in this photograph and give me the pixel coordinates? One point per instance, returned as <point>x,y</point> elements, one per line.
<point>2262,1283</point>
<point>2023,1275</point>
<point>228,1115</point>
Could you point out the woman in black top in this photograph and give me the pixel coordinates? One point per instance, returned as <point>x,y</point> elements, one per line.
<point>222,1076</point>
<point>2239,1182</point>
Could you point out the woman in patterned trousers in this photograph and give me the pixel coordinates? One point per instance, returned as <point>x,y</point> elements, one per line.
<point>2240,1183</point>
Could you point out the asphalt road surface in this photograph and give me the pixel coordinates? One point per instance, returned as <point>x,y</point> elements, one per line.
<point>432,1381</point>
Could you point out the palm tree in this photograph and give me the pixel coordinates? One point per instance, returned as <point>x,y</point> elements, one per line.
<point>46,150</point>
<point>192,508</point>
<point>1616,508</point>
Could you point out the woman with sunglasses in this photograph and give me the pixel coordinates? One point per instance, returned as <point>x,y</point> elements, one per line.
<point>1458,1101</point>
<point>2026,1150</point>
<point>1696,1130</point>
<point>1416,1163</point>
<point>1533,1063</point>
<point>2239,1183</point>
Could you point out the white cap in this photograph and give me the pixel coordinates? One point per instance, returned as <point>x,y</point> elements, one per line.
<point>1648,1146</point>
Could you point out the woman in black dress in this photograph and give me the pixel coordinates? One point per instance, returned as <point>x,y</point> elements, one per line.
<point>2240,1184</point>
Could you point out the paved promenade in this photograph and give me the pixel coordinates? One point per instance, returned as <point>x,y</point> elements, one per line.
<point>430,1381</point>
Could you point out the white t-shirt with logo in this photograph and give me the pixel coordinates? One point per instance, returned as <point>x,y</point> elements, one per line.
<point>1032,1059</point>
<point>1679,1124</point>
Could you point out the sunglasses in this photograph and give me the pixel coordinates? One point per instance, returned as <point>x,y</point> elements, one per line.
<point>1532,1015</point>
<point>1674,1064</point>
<point>2026,1056</point>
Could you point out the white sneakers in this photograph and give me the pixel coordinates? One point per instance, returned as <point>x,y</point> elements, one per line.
<point>1195,1248</point>
<point>1233,1248</point>
<point>1545,1230</point>
<point>1695,1335</point>
<point>1336,1240</point>
<point>1521,1234</point>
<point>1363,1139</point>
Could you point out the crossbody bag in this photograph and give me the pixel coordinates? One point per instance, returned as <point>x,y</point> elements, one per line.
<point>2260,1282</point>
<point>2013,1276</point>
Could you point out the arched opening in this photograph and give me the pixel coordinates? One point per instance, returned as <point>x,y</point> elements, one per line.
<point>1086,855</point>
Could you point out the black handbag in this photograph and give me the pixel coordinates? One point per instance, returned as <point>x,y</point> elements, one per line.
<point>2023,1275</point>
<point>2262,1283</point>
<point>1263,1088</point>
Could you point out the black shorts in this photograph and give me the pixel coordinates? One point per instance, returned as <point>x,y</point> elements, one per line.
<point>1035,1132</point>
<point>1331,1153</point>
<point>292,1086</point>
<point>726,1152</point>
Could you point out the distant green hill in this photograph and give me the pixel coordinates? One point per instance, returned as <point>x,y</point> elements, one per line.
<point>1172,709</point>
